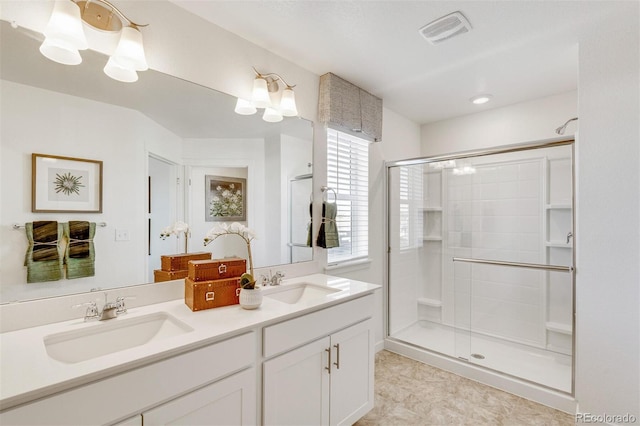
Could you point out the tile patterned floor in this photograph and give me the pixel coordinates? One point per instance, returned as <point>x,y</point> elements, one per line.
<point>408,392</point>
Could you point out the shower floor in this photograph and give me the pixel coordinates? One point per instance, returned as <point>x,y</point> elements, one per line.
<point>547,368</point>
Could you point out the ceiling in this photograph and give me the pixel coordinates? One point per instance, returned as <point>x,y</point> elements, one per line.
<point>516,51</point>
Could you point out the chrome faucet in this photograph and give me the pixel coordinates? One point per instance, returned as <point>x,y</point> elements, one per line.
<point>275,279</point>
<point>109,310</point>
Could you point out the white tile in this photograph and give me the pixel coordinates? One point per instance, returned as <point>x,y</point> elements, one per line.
<point>489,191</point>
<point>529,189</point>
<point>508,189</point>
<point>530,224</point>
<point>530,171</point>
<point>529,242</point>
<point>528,207</point>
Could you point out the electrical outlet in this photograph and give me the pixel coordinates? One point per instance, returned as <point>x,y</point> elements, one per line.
<point>122,235</point>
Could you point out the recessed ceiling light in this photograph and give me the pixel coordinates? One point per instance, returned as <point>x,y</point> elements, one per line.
<point>481,99</point>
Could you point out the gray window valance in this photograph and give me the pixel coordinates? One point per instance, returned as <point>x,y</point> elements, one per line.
<point>350,109</point>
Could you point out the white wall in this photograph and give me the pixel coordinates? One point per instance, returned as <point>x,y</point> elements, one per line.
<point>524,122</point>
<point>608,220</point>
<point>41,121</point>
<point>205,156</point>
<point>400,139</point>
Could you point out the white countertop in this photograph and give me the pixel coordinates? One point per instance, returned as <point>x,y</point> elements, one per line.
<point>27,372</point>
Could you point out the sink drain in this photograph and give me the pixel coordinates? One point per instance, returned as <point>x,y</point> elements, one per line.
<point>478,356</point>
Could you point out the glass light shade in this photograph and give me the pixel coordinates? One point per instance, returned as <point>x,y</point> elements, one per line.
<point>260,96</point>
<point>64,35</point>
<point>288,103</point>
<point>271,115</point>
<point>65,25</point>
<point>116,72</point>
<point>130,51</point>
<point>60,52</point>
<point>245,107</point>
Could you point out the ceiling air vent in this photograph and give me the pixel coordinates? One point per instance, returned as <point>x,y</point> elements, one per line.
<point>445,28</point>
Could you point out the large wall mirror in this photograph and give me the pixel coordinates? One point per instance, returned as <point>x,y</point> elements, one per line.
<point>166,145</point>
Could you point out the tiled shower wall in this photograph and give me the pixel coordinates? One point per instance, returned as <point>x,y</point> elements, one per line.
<point>495,213</point>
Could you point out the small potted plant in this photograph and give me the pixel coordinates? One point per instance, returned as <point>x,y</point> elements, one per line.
<point>250,296</point>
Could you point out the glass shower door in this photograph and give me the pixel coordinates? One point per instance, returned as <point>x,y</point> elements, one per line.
<point>510,236</point>
<point>480,260</point>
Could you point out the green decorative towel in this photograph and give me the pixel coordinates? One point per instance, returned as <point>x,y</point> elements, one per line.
<point>80,253</point>
<point>44,254</point>
<point>328,235</point>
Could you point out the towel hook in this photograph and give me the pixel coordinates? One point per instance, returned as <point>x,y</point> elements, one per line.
<point>325,197</point>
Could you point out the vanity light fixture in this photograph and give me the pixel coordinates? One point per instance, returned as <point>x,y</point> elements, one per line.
<point>266,94</point>
<point>64,36</point>
<point>481,99</point>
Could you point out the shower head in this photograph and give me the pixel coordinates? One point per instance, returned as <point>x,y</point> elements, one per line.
<point>560,130</point>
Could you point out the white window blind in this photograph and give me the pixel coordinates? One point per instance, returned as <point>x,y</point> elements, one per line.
<point>348,175</point>
<point>410,206</point>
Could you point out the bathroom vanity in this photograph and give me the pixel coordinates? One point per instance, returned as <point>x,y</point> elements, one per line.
<point>305,356</point>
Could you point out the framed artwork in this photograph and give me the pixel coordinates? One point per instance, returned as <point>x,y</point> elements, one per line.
<point>225,199</point>
<point>65,184</point>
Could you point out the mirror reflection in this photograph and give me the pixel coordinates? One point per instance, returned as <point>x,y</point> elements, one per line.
<point>171,151</point>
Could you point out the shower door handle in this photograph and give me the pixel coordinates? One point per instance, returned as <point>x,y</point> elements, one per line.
<point>558,268</point>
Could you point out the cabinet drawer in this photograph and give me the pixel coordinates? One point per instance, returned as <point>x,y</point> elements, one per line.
<point>298,331</point>
<point>120,396</point>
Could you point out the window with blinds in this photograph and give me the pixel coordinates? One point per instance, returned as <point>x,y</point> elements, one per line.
<point>410,206</point>
<point>348,175</point>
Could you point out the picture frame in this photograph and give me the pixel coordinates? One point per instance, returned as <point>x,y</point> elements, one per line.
<point>225,199</point>
<point>65,184</point>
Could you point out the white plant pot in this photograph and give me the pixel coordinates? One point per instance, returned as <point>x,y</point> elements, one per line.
<point>250,298</point>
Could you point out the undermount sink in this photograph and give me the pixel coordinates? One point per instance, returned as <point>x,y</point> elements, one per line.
<point>111,336</point>
<point>298,293</point>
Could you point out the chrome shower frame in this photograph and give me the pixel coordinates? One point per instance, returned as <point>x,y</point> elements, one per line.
<point>548,143</point>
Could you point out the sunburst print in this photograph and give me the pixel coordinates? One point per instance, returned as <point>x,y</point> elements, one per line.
<point>68,184</point>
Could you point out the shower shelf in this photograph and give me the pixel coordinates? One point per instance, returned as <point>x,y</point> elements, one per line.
<point>432,238</point>
<point>558,327</point>
<point>558,244</point>
<point>429,302</point>
<point>431,209</point>
<point>558,206</point>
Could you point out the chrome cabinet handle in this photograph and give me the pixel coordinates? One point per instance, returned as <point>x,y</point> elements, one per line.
<point>328,367</point>
<point>337,363</point>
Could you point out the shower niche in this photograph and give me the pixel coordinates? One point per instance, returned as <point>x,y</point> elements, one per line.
<point>480,260</point>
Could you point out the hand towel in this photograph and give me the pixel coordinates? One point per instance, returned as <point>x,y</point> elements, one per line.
<point>44,253</point>
<point>310,226</point>
<point>80,253</point>
<point>328,235</point>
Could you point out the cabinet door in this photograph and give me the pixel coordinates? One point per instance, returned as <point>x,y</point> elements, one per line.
<point>230,401</point>
<point>296,386</point>
<point>352,373</point>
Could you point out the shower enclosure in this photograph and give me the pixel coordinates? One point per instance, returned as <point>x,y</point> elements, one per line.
<point>480,261</point>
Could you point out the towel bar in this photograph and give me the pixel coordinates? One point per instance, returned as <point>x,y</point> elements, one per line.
<point>18,226</point>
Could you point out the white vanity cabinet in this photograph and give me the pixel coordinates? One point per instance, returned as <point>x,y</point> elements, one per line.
<point>326,381</point>
<point>304,363</point>
<point>218,380</point>
<point>227,402</point>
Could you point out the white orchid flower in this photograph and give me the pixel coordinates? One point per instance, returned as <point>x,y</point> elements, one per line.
<point>234,229</point>
<point>180,226</point>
